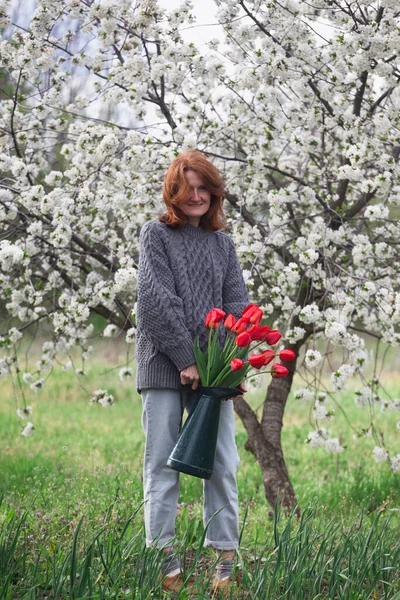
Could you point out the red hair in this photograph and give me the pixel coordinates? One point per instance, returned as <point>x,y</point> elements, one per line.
<point>176,191</point>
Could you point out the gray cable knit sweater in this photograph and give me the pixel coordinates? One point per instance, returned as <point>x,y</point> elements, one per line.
<point>182,275</point>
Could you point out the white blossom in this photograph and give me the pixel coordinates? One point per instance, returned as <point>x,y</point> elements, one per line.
<point>395,464</point>
<point>10,256</point>
<point>87,353</point>
<point>312,358</point>
<point>340,377</point>
<point>380,455</point>
<point>317,438</point>
<point>125,373</point>
<point>336,332</point>
<point>309,256</point>
<point>303,394</point>
<point>37,385</point>
<point>14,334</point>
<point>376,211</point>
<point>125,279</point>
<point>28,430</point>
<point>295,334</point>
<point>310,314</point>
<point>103,398</point>
<point>24,413</point>
<point>130,336</point>
<point>27,378</point>
<point>363,397</point>
<point>110,330</point>
<point>334,446</point>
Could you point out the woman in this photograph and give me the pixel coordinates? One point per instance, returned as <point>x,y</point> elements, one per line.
<point>187,266</point>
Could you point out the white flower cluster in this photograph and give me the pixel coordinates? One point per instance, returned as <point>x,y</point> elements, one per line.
<point>130,336</point>
<point>37,385</point>
<point>303,394</point>
<point>125,280</point>
<point>28,430</point>
<point>375,212</point>
<point>321,412</point>
<point>320,438</point>
<point>317,438</point>
<point>310,314</point>
<point>312,358</point>
<point>125,373</point>
<point>103,398</point>
<point>309,256</point>
<point>379,454</point>
<point>363,397</point>
<point>110,330</point>
<point>336,332</point>
<point>334,446</point>
<point>14,335</point>
<point>5,364</point>
<point>10,256</point>
<point>340,377</point>
<point>294,335</point>
<point>24,413</point>
<point>395,464</point>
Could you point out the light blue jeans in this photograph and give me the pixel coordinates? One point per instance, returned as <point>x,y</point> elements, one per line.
<point>161,423</point>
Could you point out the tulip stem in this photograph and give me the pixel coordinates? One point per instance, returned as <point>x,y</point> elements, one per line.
<point>210,358</point>
<point>257,374</point>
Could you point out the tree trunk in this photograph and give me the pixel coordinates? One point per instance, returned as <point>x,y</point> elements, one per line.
<point>264,441</point>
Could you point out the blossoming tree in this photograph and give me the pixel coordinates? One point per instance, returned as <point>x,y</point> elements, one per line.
<point>303,119</point>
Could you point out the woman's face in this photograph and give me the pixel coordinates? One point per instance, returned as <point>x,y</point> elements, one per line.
<point>199,201</point>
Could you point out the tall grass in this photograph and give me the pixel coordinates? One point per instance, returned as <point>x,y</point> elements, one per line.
<point>71,518</point>
<point>299,560</point>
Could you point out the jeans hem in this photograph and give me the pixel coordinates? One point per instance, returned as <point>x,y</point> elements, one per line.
<point>221,545</point>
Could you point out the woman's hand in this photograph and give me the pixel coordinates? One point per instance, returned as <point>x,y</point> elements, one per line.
<point>242,388</point>
<point>190,375</point>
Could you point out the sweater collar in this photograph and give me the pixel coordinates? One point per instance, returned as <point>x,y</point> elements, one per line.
<point>192,231</point>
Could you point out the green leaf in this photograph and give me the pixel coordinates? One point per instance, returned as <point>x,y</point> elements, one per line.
<point>200,361</point>
<point>216,357</point>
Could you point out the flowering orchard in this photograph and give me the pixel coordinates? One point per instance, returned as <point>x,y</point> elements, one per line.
<point>298,103</point>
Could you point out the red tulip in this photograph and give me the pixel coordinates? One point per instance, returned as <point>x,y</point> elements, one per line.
<point>249,309</point>
<point>269,356</point>
<point>229,322</point>
<point>240,325</point>
<point>257,360</point>
<point>214,317</point>
<point>278,371</point>
<point>273,337</point>
<point>253,313</point>
<point>264,331</point>
<point>236,364</point>
<point>254,331</point>
<point>287,355</point>
<point>243,339</point>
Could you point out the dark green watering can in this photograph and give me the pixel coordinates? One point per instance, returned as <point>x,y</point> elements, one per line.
<point>194,452</point>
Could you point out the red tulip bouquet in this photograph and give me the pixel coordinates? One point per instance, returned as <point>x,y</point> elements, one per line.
<point>221,373</point>
<point>228,367</point>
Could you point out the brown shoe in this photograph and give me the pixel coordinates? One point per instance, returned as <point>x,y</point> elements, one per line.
<point>175,583</point>
<point>222,587</point>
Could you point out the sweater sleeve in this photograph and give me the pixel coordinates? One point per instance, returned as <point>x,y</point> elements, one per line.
<point>159,313</point>
<point>234,293</point>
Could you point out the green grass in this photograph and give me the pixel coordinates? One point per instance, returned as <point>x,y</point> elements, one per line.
<point>71,522</point>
